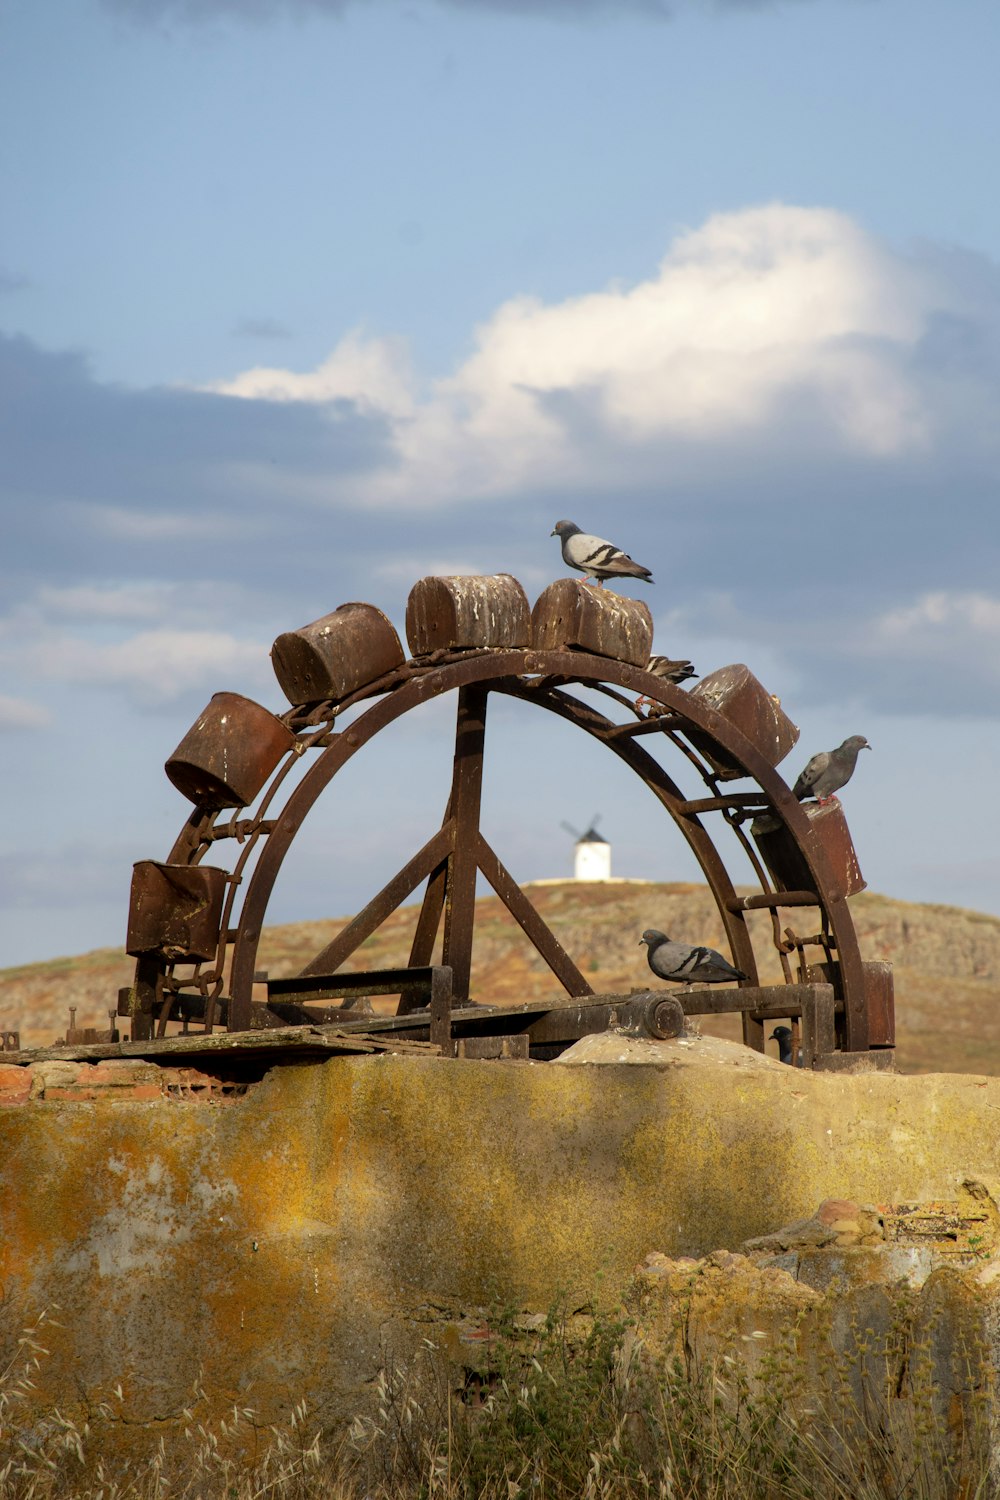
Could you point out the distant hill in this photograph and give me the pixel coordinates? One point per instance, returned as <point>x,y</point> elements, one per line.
<point>946,963</point>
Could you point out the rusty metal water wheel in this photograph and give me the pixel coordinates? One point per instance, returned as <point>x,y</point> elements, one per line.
<point>206,989</point>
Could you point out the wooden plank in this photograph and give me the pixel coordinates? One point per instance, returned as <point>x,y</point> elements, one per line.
<point>440,1009</point>
<point>881,1004</point>
<point>466,794</point>
<point>766,1001</point>
<point>493,1046</point>
<point>769,1002</point>
<point>303,987</point>
<point>420,1020</point>
<point>289,1013</point>
<point>531,924</point>
<point>429,921</point>
<point>819,1027</point>
<point>556,1018</point>
<point>482,1015</point>
<point>570,1022</point>
<point>144,996</point>
<point>425,936</point>
<point>323,1040</point>
<point>384,904</point>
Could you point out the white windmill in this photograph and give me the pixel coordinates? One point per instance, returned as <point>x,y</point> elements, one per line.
<point>592,859</point>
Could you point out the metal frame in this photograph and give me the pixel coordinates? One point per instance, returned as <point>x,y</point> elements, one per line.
<point>450,860</point>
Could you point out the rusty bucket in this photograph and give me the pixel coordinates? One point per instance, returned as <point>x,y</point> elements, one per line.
<point>175,911</point>
<point>786,863</point>
<point>570,615</point>
<point>466,612</point>
<point>229,752</point>
<point>335,656</point>
<point>735,693</point>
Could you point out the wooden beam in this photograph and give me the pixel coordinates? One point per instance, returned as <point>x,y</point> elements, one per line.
<point>769,1002</point>
<point>530,922</point>
<point>367,921</point>
<point>285,1041</point>
<point>425,936</point>
<point>466,795</point>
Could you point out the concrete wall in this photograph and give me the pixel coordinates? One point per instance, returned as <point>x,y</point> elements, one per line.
<point>269,1245</point>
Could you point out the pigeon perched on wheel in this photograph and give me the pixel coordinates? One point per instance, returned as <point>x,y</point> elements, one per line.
<point>686,964</point>
<point>828,771</point>
<point>668,669</point>
<point>594,556</point>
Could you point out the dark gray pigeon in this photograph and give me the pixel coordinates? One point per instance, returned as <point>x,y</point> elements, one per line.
<point>597,558</point>
<point>828,771</point>
<point>669,670</point>
<point>686,964</point>
<point>783,1036</point>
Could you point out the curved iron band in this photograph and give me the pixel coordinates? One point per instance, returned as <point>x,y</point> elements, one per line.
<point>774,788</point>
<point>789,809</point>
<point>582,668</point>
<point>190,844</point>
<point>345,744</point>
<point>668,794</point>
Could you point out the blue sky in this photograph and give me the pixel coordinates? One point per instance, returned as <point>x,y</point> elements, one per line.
<point>301,301</point>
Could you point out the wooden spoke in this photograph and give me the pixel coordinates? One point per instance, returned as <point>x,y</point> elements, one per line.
<point>422,947</point>
<point>329,959</point>
<point>466,794</point>
<point>530,922</point>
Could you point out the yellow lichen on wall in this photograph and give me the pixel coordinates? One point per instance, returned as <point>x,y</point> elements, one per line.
<point>277,1244</point>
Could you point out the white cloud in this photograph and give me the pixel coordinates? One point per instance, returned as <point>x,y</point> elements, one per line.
<point>937,652</point>
<point>154,666</point>
<point>21,714</point>
<point>117,601</point>
<point>750,304</point>
<point>373,372</point>
<point>947,637</point>
<point>939,617</point>
<point>749,320</point>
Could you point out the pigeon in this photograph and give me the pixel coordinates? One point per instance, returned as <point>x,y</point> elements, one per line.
<point>669,670</point>
<point>599,559</point>
<point>685,964</point>
<point>783,1037</point>
<point>828,771</point>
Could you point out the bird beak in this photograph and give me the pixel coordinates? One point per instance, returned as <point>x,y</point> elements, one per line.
<point>552,532</point>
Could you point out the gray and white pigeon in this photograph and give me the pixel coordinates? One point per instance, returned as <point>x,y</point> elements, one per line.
<point>686,964</point>
<point>669,670</point>
<point>828,771</point>
<point>595,557</point>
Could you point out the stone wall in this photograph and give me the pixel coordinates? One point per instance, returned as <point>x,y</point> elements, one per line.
<point>205,1244</point>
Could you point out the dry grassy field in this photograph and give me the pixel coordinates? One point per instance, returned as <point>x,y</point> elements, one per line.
<point>946,961</point>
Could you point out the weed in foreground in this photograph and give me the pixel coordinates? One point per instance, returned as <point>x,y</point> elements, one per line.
<point>579,1409</point>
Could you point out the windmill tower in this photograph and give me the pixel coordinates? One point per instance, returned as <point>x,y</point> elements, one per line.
<point>592,858</point>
